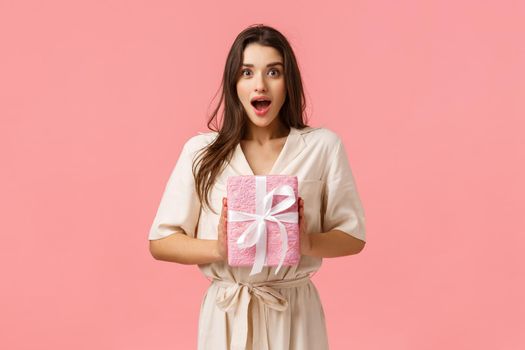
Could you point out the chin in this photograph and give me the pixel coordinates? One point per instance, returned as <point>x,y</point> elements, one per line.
<point>261,122</point>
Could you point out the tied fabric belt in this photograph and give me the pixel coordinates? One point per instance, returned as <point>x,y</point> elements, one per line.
<point>235,297</point>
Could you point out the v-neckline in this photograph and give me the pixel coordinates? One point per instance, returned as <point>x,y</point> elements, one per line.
<point>275,164</point>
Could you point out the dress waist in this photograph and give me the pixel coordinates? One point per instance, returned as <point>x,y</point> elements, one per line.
<point>287,283</point>
<point>235,297</point>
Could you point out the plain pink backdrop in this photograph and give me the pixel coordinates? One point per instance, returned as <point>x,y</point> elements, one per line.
<point>97,99</point>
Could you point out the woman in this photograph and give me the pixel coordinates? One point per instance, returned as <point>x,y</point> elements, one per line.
<point>265,310</point>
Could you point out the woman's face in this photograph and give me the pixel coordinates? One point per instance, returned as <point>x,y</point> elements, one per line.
<point>262,75</point>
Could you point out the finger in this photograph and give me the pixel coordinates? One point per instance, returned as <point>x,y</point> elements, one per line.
<point>225,211</point>
<point>221,219</point>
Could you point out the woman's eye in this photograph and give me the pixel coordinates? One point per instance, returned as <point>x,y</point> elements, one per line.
<point>277,71</point>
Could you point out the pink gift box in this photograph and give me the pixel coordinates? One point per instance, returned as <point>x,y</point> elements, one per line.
<point>263,221</point>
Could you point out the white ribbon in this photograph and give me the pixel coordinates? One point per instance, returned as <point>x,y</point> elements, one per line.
<point>256,233</point>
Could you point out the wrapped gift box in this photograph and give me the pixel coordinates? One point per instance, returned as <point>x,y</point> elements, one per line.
<point>263,221</point>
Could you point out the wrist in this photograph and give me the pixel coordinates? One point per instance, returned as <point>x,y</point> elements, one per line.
<point>307,246</point>
<point>215,251</point>
<point>311,244</point>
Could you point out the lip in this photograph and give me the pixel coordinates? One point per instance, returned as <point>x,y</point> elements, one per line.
<point>257,98</point>
<point>262,112</point>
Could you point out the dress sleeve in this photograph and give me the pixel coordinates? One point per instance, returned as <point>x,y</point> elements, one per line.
<point>179,207</point>
<point>342,208</point>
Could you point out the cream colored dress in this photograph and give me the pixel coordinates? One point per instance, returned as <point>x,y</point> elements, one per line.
<point>265,311</point>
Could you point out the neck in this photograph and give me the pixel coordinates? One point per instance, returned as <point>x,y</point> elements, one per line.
<point>264,134</point>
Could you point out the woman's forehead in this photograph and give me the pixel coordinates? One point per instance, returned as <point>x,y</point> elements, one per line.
<point>259,55</point>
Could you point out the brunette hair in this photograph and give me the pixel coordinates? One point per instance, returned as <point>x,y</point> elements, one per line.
<point>215,156</point>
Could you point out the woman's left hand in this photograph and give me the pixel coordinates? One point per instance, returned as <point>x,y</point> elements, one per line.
<point>304,238</point>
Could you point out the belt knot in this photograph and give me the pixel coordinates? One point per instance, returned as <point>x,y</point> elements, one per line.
<point>246,284</point>
<point>235,297</point>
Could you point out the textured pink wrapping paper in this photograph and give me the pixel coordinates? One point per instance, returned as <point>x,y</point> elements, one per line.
<point>241,197</point>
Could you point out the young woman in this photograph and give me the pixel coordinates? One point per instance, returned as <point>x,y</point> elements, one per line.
<point>262,311</point>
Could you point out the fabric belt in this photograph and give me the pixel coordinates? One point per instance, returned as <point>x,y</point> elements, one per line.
<point>236,296</point>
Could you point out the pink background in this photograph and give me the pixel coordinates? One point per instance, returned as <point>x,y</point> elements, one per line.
<point>97,98</point>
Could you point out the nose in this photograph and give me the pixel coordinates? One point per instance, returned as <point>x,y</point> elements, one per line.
<point>260,82</point>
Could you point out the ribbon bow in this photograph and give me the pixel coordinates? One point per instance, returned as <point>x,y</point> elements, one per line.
<point>256,233</point>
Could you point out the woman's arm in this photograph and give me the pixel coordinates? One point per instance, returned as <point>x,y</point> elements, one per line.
<point>333,243</point>
<point>326,244</point>
<point>184,249</point>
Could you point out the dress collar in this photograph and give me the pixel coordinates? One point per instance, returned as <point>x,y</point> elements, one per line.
<point>293,146</point>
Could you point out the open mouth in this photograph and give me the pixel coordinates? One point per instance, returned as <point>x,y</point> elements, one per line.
<point>261,104</point>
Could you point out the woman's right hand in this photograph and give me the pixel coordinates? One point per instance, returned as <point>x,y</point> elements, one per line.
<point>222,241</point>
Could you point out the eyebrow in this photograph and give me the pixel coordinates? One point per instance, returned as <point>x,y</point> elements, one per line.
<point>268,65</point>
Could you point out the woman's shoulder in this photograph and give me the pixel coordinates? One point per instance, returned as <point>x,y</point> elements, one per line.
<point>320,135</point>
<point>199,141</point>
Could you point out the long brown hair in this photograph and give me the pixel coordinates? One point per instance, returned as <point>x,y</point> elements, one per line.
<point>215,156</point>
